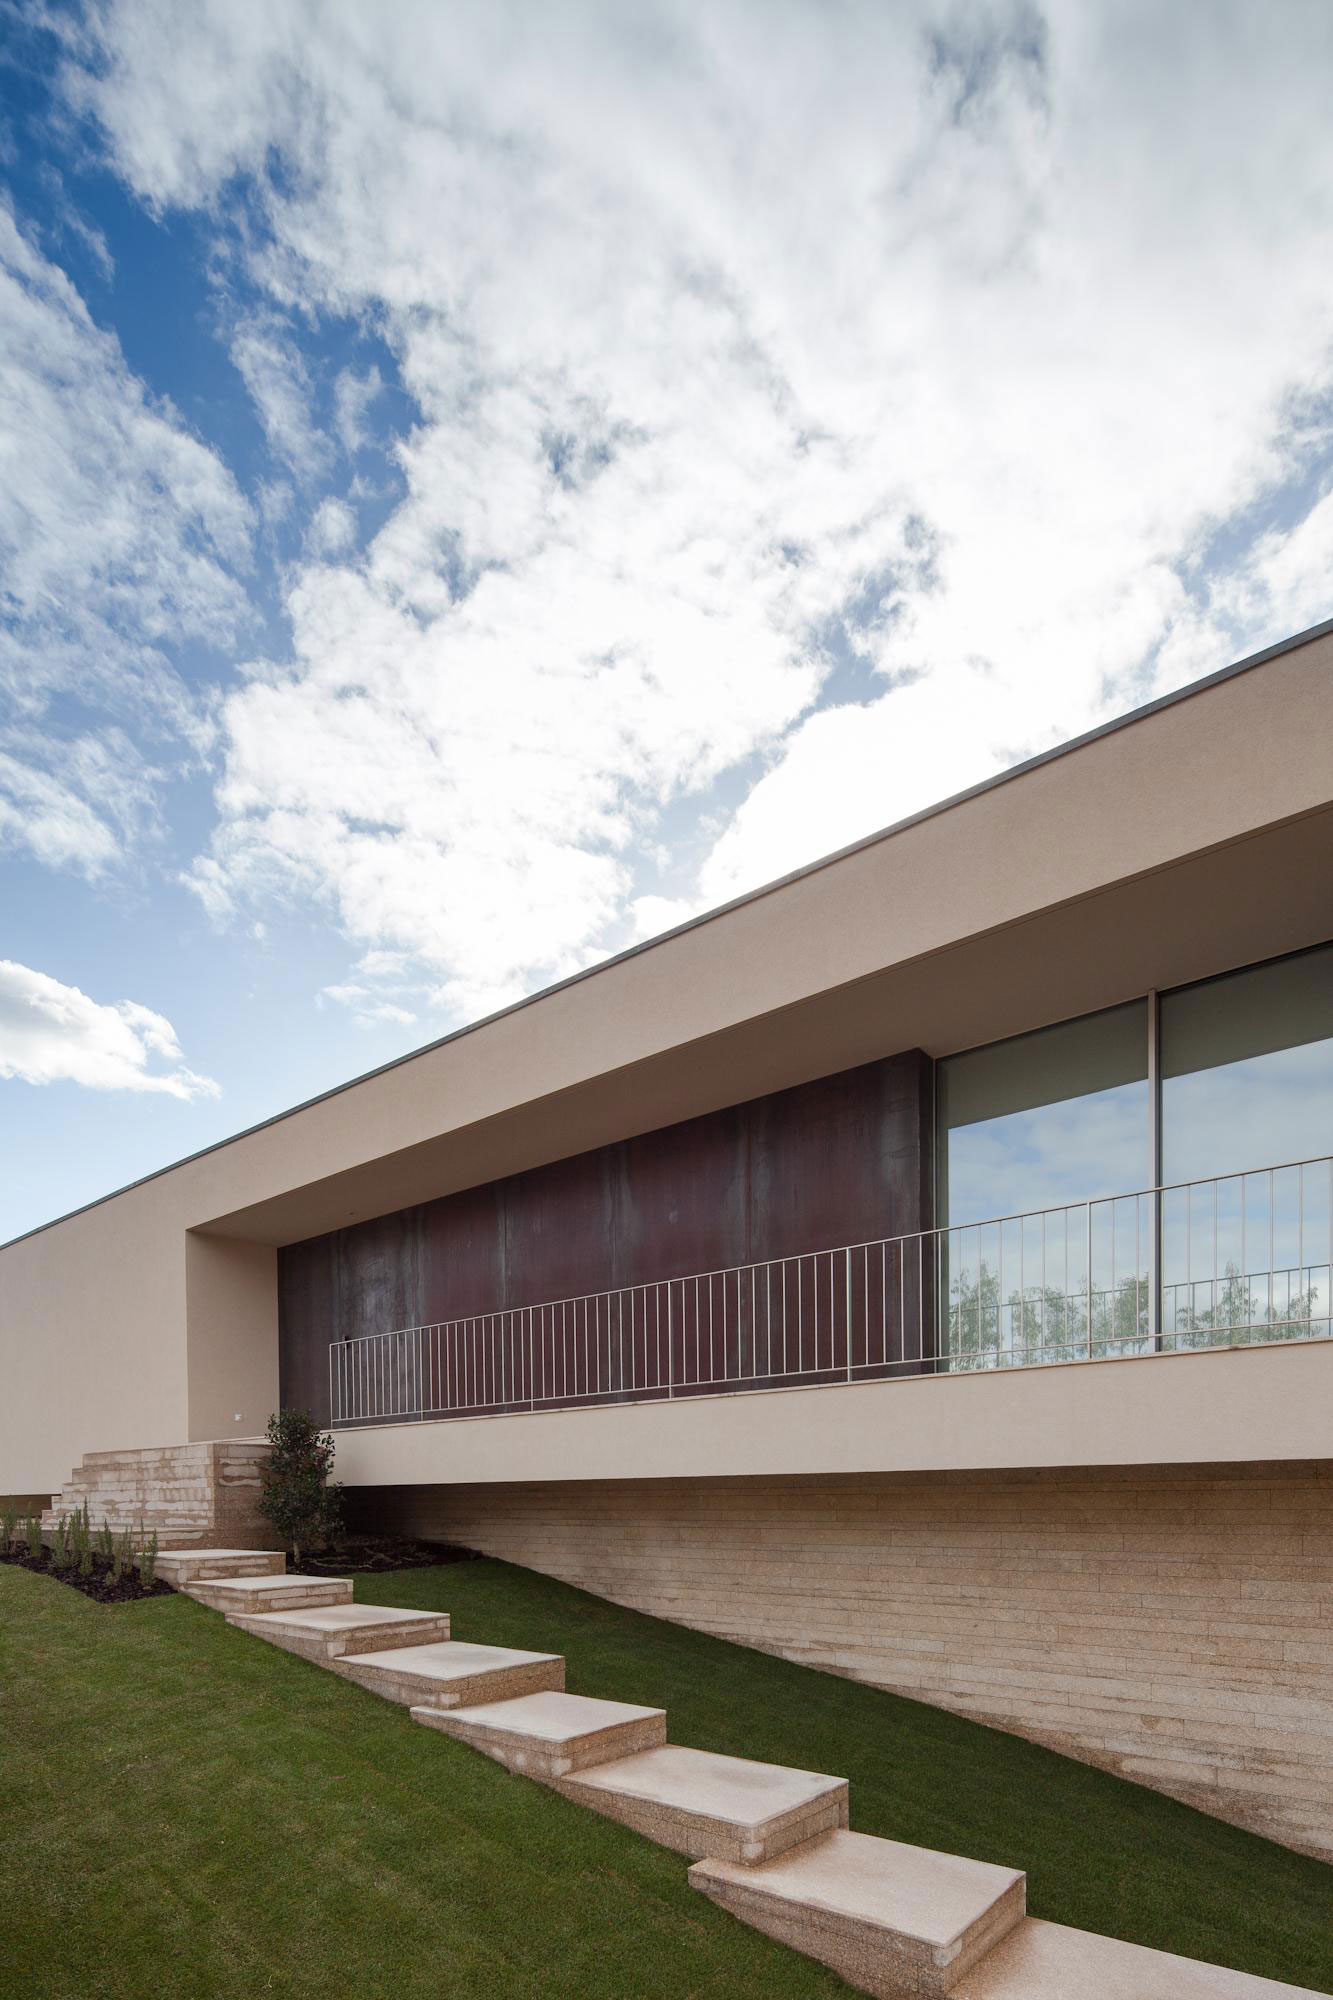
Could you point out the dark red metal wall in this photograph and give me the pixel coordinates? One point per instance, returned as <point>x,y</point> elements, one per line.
<point>842,1160</point>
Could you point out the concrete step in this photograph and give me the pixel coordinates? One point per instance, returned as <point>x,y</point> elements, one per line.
<point>551,1734</point>
<point>891,1919</point>
<point>254,1594</point>
<point>451,1675</point>
<point>702,1803</point>
<point>324,1632</point>
<point>1041,1961</point>
<point>182,1566</point>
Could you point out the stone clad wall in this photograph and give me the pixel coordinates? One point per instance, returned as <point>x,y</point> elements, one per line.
<point>193,1495</point>
<point>1174,1625</point>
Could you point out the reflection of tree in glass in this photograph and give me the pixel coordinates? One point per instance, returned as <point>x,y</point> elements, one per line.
<point>1041,1322</point>
<point>1236,1311</point>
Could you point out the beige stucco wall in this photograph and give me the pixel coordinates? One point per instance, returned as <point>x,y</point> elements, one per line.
<point>1269,1403</point>
<point>232,1315</point>
<point>92,1338</point>
<point>1170,1623</point>
<point>1118,865</point>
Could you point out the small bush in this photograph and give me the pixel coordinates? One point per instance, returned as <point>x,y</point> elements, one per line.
<point>60,1545</point>
<point>32,1530</point>
<point>297,1495</point>
<point>147,1559</point>
<point>8,1522</point>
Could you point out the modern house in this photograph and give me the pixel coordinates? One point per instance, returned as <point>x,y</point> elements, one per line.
<point>920,1267</point>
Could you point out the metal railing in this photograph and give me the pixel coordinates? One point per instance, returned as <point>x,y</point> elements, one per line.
<point>1233,1260</point>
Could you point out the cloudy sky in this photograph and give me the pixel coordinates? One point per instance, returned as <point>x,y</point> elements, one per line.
<point>479,484</point>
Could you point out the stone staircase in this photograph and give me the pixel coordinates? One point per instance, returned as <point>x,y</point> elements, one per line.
<point>770,1844</point>
<point>186,1494</point>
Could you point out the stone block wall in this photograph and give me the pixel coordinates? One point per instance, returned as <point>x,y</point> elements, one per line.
<point>193,1495</point>
<point>1171,1624</point>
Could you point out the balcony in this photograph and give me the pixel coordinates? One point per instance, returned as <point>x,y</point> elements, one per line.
<point>1239,1260</point>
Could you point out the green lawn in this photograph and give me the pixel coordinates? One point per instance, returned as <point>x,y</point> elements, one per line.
<point>185,1812</point>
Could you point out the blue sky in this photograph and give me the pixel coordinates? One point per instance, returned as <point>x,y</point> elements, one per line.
<point>478,486</point>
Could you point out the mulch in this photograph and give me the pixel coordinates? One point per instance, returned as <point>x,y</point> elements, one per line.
<point>374,1554</point>
<point>102,1585</point>
<point>377,1554</point>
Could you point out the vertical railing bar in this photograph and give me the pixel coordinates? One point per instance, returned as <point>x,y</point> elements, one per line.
<point>1214,1292</point>
<point>671,1347</point>
<point>847,1314</point>
<point>1300,1238</point>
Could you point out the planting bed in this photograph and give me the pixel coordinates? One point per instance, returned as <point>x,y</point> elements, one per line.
<point>101,1584</point>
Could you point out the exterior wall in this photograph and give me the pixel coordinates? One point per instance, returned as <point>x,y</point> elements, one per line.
<point>1227,1407</point>
<point>92,1335</point>
<point>231,1305</point>
<point>1170,1624</point>
<point>843,1160</point>
<point>1117,865</point>
<point>191,1495</point>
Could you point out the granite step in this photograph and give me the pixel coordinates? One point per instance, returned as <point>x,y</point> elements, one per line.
<point>451,1674</point>
<point>254,1594</point>
<point>548,1735</point>
<point>184,1566</point>
<point>702,1803</point>
<point>1043,1961</point>
<point>323,1633</point>
<point>890,1919</point>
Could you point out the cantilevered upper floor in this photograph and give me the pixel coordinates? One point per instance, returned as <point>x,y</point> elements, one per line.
<point>1010,1077</point>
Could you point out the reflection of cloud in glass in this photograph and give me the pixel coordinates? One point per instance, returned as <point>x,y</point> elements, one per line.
<point>1262,1112</point>
<point>1049,1156</point>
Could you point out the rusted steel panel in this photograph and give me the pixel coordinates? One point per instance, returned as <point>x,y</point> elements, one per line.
<point>842,1160</point>
<point>308,1319</point>
<point>559,1229</point>
<point>684,1198</point>
<point>462,1254</point>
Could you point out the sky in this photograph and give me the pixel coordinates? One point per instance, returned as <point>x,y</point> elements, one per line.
<point>481,485</point>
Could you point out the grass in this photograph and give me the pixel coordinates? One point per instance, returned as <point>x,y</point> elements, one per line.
<point>185,1811</point>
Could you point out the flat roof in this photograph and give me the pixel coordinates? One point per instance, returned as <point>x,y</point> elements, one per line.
<point>1007,776</point>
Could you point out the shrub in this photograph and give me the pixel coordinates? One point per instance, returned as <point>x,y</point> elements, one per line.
<point>8,1522</point>
<point>297,1495</point>
<point>106,1542</point>
<point>122,1563</point>
<point>60,1545</point>
<point>147,1558</point>
<point>32,1529</point>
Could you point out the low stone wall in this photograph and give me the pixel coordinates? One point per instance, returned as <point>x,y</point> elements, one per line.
<point>193,1495</point>
<point>1171,1624</point>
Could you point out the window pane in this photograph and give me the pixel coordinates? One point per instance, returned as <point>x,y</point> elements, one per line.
<point>1045,1119</point>
<point>1247,1069</point>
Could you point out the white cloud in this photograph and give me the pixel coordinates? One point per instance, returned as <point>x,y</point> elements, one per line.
<point>354,396</point>
<point>332,529</point>
<point>368,1006</point>
<point>271,366</point>
<point>52,1033</point>
<point>73,804</point>
<point>120,536</point>
<point>931,350</point>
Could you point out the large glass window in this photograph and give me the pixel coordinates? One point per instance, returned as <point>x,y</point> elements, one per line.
<point>1036,1128</point>
<point>1247,1069</point>
<point>1247,1096</point>
<point>1045,1119</point>
<point>1043,1128</point>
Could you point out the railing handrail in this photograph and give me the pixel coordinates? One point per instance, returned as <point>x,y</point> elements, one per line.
<point>843,1249</point>
<point>1141,1272</point>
